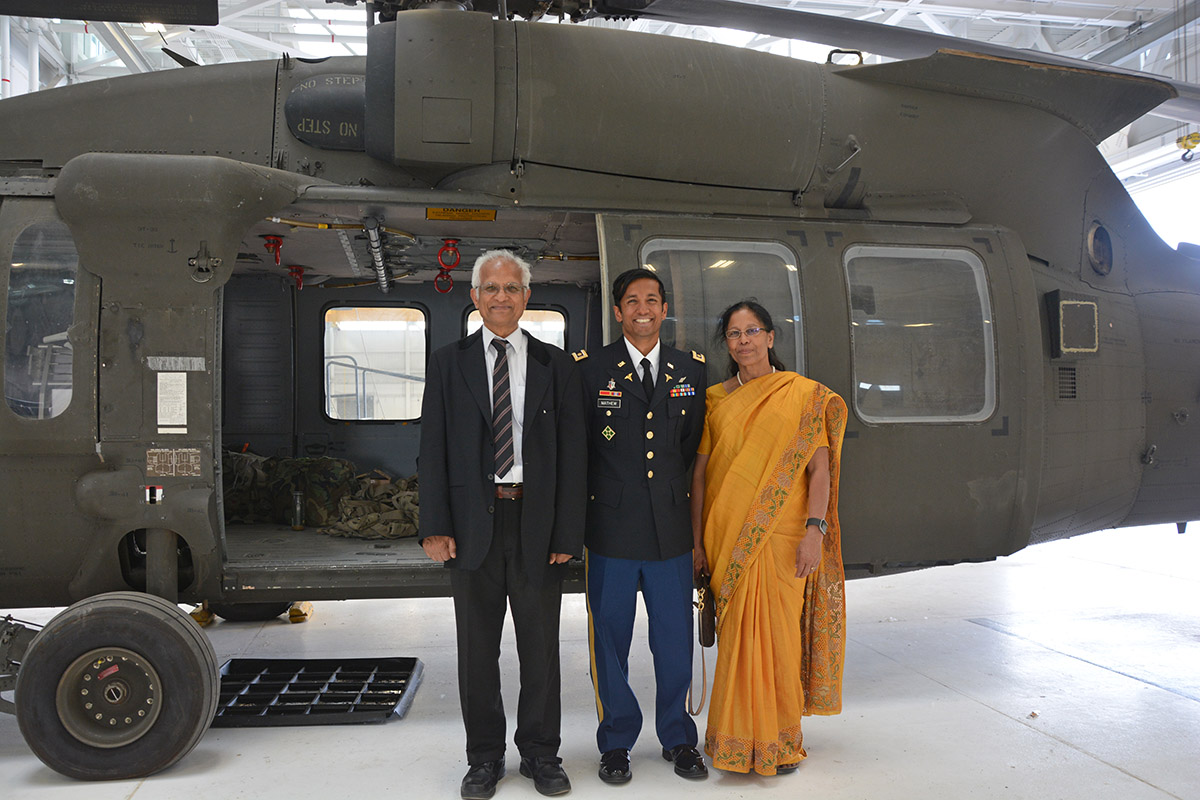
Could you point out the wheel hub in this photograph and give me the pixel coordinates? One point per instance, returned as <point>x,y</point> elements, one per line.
<point>109,697</point>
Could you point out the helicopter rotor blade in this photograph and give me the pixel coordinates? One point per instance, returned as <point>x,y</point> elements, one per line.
<point>167,12</point>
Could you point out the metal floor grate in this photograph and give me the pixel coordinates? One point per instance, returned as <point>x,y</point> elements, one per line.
<point>264,691</point>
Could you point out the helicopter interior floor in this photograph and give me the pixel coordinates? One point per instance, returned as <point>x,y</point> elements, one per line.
<point>280,546</point>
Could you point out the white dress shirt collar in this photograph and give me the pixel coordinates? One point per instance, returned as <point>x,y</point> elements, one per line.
<point>516,339</point>
<point>636,356</point>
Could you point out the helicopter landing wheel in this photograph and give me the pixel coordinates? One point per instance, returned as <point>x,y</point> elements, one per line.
<point>120,685</point>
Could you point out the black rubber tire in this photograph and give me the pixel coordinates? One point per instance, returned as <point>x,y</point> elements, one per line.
<point>249,612</point>
<point>154,633</point>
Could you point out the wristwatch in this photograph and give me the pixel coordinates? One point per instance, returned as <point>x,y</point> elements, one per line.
<point>821,524</point>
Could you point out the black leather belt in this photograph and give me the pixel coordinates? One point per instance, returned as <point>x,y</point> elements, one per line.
<point>509,491</point>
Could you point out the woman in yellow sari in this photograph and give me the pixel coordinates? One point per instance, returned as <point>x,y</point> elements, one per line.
<point>764,515</point>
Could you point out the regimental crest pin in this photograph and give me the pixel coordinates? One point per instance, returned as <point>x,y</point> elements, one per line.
<point>611,384</point>
<point>608,432</point>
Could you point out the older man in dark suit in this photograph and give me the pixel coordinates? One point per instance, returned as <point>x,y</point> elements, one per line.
<point>502,503</point>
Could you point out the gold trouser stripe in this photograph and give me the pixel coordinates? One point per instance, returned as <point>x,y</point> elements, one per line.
<point>587,573</point>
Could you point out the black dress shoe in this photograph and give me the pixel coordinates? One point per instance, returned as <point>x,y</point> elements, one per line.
<point>688,761</point>
<point>614,766</point>
<point>549,778</point>
<point>480,781</point>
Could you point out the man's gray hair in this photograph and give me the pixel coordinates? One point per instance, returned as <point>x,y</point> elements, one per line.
<point>496,255</point>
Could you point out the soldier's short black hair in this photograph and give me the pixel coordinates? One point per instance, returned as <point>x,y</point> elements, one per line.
<point>622,281</point>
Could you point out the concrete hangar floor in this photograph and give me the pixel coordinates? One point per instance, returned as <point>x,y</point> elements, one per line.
<point>1069,670</point>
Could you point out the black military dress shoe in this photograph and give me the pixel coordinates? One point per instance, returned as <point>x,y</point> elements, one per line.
<point>480,781</point>
<point>614,766</point>
<point>688,761</point>
<point>547,773</point>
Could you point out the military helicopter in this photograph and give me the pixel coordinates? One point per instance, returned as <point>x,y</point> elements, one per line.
<point>261,255</point>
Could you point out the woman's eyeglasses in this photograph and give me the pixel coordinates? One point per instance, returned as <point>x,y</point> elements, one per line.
<point>750,332</point>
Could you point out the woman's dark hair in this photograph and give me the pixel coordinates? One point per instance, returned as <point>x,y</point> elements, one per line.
<point>764,318</point>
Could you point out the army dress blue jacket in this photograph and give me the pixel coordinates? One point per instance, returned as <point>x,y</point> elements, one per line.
<point>640,452</point>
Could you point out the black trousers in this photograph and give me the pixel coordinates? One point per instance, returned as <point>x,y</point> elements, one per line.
<point>480,599</point>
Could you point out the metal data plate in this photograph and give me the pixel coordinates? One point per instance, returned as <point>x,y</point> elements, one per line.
<point>259,692</point>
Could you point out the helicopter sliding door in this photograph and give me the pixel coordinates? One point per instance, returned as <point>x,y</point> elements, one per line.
<point>929,333</point>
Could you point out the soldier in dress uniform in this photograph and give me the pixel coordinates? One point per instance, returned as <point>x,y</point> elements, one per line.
<point>645,417</point>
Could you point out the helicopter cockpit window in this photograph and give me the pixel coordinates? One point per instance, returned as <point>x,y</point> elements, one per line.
<point>549,326</point>
<point>702,277</point>
<point>921,326</point>
<point>41,307</point>
<point>374,363</point>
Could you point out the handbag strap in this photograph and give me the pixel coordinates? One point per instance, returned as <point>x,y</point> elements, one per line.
<point>702,594</point>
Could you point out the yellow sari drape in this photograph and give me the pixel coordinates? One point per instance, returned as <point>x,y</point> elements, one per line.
<point>781,639</point>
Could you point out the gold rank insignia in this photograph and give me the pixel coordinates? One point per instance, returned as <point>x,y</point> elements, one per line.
<point>698,356</point>
<point>620,363</point>
<point>608,433</point>
<point>580,355</point>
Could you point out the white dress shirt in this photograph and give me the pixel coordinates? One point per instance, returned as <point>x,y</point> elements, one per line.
<point>518,351</point>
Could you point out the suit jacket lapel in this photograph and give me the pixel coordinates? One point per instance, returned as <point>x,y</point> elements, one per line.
<point>474,369</point>
<point>537,380</point>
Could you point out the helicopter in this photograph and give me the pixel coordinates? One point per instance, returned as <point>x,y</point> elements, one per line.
<point>260,257</point>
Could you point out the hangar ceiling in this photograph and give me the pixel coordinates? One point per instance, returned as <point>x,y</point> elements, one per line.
<point>1155,36</point>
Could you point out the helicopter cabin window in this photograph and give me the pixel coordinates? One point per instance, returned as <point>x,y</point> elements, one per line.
<point>41,307</point>
<point>374,363</point>
<point>702,277</point>
<point>547,325</point>
<point>921,327</point>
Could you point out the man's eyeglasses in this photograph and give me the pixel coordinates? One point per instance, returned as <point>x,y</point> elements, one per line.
<point>750,332</point>
<point>493,289</point>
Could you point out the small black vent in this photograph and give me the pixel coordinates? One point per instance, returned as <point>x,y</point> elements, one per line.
<point>1068,387</point>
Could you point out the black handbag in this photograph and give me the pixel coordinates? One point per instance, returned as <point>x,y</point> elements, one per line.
<point>707,609</point>
<point>707,625</point>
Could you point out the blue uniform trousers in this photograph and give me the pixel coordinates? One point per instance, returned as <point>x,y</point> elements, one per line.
<point>612,586</point>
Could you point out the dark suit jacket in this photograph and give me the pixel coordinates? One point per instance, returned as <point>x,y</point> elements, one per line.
<point>458,456</point>
<point>638,504</point>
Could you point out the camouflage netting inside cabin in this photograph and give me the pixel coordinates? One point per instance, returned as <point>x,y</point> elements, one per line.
<point>336,499</point>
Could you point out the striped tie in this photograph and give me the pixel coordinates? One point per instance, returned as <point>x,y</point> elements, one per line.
<point>502,419</point>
